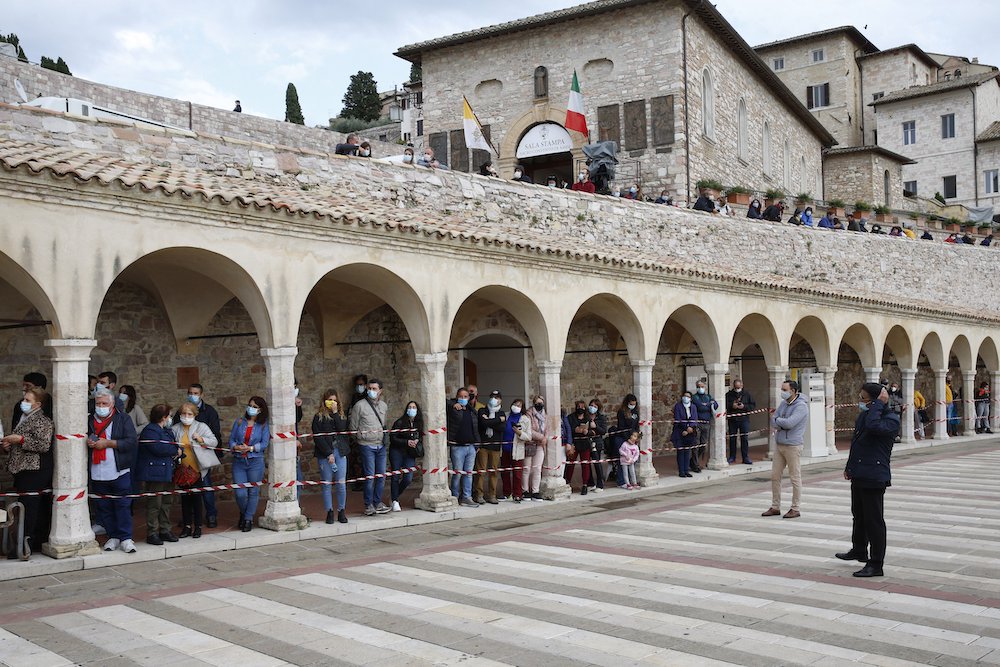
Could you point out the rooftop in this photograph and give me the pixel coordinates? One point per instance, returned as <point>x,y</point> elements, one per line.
<point>902,159</point>
<point>992,133</point>
<point>912,48</point>
<point>848,30</point>
<point>936,88</point>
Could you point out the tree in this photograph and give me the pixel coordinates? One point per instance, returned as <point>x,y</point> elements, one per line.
<point>12,38</point>
<point>416,73</point>
<point>361,99</point>
<point>293,111</point>
<point>61,66</point>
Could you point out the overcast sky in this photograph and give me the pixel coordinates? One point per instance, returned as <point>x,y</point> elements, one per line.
<point>215,51</point>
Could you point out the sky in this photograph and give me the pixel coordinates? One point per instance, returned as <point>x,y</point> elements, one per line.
<point>216,51</point>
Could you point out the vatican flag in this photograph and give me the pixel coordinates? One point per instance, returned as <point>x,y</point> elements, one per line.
<point>474,137</point>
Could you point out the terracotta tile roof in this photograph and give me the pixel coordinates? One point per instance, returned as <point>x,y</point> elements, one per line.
<point>935,88</point>
<point>340,206</point>
<point>912,48</point>
<point>848,30</point>
<point>992,133</point>
<point>833,152</point>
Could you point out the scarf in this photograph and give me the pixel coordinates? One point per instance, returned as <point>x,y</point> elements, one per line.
<point>98,456</point>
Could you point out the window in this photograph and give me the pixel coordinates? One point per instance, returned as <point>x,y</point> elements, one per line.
<point>818,96</point>
<point>420,98</point>
<point>992,181</point>
<point>402,104</point>
<point>741,137</point>
<point>708,104</point>
<point>765,148</point>
<point>958,74</point>
<point>779,63</point>
<point>948,126</point>
<point>886,187</point>
<point>910,187</point>
<point>786,163</point>
<point>803,175</point>
<point>877,96</point>
<point>818,56</point>
<point>909,132</point>
<point>420,128</point>
<point>950,187</point>
<point>407,137</point>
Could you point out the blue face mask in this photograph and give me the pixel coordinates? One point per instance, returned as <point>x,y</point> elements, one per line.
<point>411,412</point>
<point>194,399</point>
<point>863,406</point>
<point>592,409</point>
<point>123,398</point>
<point>25,407</point>
<point>252,411</point>
<point>463,402</point>
<point>686,400</point>
<point>372,394</point>
<point>359,388</point>
<point>102,411</point>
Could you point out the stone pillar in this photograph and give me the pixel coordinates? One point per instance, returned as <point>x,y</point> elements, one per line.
<point>435,496</point>
<point>642,386</point>
<point>830,396</point>
<point>717,455</point>
<point>995,401</point>
<point>282,511</point>
<point>940,407</point>
<point>777,376</point>
<point>71,534</point>
<point>968,402</point>
<point>873,374</point>
<point>907,419</point>
<point>553,486</point>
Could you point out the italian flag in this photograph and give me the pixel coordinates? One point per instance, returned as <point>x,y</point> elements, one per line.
<point>575,118</point>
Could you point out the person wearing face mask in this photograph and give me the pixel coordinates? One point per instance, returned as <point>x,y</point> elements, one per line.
<point>474,401</point>
<point>154,467</point>
<point>127,396</point>
<point>354,468</point>
<point>112,441</point>
<point>521,175</point>
<point>633,193</point>
<point>462,438</point>
<point>33,381</point>
<point>487,169</point>
<point>517,434</point>
<point>983,408</point>
<point>685,434</point>
<point>583,182</point>
<point>209,416</point>
<point>350,147</point>
<point>896,400</point>
<point>368,418</point>
<point>868,470</point>
<point>428,160</point>
<point>331,446</point>
<point>707,407</point>
<point>492,420</point>
<point>365,149</point>
<point>199,448</point>
<point>578,424</point>
<point>791,418</point>
<point>739,402</point>
<point>534,441</point>
<point>405,447</point>
<point>408,155</point>
<point>30,463</point>
<point>628,422</point>
<point>704,202</point>
<point>107,380</point>
<point>248,443</point>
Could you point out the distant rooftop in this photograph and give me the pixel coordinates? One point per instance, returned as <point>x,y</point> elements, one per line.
<point>992,133</point>
<point>912,48</point>
<point>938,87</point>
<point>848,30</point>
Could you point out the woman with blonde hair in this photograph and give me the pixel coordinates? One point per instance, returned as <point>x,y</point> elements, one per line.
<point>331,446</point>
<point>198,445</point>
<point>31,465</point>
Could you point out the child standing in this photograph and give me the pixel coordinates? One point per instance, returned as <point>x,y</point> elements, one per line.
<point>629,452</point>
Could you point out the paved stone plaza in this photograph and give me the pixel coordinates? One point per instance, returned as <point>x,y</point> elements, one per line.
<point>689,577</point>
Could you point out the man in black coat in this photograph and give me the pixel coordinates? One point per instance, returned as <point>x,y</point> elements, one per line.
<point>868,470</point>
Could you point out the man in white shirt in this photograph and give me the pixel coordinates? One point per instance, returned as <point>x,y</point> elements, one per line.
<point>113,443</point>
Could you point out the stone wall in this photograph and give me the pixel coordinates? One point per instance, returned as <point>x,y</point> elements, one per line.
<point>853,177</point>
<point>888,71</point>
<point>989,158</point>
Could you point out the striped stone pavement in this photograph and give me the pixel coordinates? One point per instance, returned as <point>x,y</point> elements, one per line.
<point>693,581</point>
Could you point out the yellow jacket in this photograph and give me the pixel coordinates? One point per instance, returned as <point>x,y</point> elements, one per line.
<point>948,396</point>
<point>919,402</point>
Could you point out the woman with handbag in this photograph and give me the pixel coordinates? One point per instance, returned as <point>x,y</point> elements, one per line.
<point>518,432</point>
<point>198,457</point>
<point>405,447</point>
<point>534,451</point>
<point>155,470</point>
<point>248,442</point>
<point>331,446</point>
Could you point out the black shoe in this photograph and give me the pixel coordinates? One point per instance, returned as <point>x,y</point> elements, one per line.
<point>212,522</point>
<point>851,555</point>
<point>870,570</point>
<point>687,474</point>
<point>154,539</point>
<point>342,516</point>
<point>537,495</point>
<point>186,532</point>
<point>331,516</point>
<point>168,537</point>
<point>988,431</point>
<point>196,533</point>
<point>247,526</point>
<point>583,490</point>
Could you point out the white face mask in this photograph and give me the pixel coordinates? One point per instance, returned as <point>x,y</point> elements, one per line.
<point>631,406</point>
<point>364,152</point>
<point>187,420</point>
<point>515,409</point>
<point>785,395</point>
<point>517,174</point>
<point>407,159</point>
<point>295,392</point>
<point>686,400</point>
<point>583,177</point>
<point>494,402</point>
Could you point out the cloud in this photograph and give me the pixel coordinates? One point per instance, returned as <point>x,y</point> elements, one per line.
<point>135,40</point>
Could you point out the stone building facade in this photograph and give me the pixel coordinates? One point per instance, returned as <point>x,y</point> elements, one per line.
<point>888,71</point>
<point>869,174</point>
<point>988,143</point>
<point>671,82</point>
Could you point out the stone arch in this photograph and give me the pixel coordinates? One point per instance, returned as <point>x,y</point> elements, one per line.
<point>741,130</point>
<point>21,293</point>
<point>765,149</point>
<point>989,354</point>
<point>812,329</point>
<point>518,304</point>
<point>898,342</point>
<point>932,348</point>
<point>612,309</point>
<point>708,103</point>
<point>961,349</point>
<point>702,329</point>
<point>540,113</point>
<point>757,328</point>
<point>859,338</point>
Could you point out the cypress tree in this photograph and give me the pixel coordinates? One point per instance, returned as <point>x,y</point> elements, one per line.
<point>293,111</point>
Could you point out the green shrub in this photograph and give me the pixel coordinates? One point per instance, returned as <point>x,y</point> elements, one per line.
<point>709,183</point>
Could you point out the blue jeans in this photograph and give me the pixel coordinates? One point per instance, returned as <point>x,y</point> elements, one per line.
<point>399,459</point>
<point>299,477</point>
<point>327,475</point>
<point>463,457</point>
<point>209,497</point>
<point>373,463</point>
<point>248,470</point>
<point>115,514</point>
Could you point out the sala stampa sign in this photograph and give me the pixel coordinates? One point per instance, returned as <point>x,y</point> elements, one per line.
<point>545,139</point>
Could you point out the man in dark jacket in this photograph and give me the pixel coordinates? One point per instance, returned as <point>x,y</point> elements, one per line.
<point>462,438</point>
<point>112,441</point>
<point>706,419</point>
<point>774,212</point>
<point>704,203</point>
<point>868,471</point>
<point>738,403</point>
<point>492,420</point>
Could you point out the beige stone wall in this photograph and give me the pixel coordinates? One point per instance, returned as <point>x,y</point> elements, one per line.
<point>861,177</point>
<point>885,73</point>
<point>989,158</point>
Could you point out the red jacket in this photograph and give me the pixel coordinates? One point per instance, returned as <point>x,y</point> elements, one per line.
<point>585,186</point>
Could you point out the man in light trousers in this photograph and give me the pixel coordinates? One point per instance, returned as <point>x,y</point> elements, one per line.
<point>790,421</point>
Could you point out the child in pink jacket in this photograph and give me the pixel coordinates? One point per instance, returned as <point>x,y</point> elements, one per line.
<point>629,452</point>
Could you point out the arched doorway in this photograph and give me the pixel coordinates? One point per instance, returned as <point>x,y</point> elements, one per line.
<point>544,150</point>
<point>496,361</point>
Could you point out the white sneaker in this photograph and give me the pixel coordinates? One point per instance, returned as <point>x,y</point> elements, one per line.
<point>98,529</point>
<point>597,489</point>
<point>396,507</point>
<point>112,544</point>
<point>128,546</point>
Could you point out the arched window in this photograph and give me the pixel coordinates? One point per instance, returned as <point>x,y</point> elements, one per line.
<point>803,175</point>
<point>765,148</point>
<point>787,165</point>
<point>886,180</point>
<point>708,104</point>
<point>541,82</point>
<point>741,138</point>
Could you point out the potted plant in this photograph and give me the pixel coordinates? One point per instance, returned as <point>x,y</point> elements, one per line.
<point>803,199</point>
<point>773,195</point>
<point>884,214</point>
<point>838,206</point>
<point>935,221</point>
<point>862,207</point>
<point>953,224</point>
<point>737,194</point>
<point>985,228</point>
<point>713,186</point>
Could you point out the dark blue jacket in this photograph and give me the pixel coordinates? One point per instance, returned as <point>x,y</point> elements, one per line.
<point>875,431</point>
<point>123,433</point>
<point>682,422</point>
<point>157,451</point>
<point>567,432</point>
<point>461,426</point>
<point>706,407</point>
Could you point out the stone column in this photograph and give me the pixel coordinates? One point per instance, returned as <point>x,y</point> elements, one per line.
<point>995,401</point>
<point>642,385</point>
<point>830,396</point>
<point>777,376</point>
<point>968,402</point>
<point>282,511</point>
<point>873,374</point>
<point>553,486</point>
<point>717,455</point>
<point>940,408</point>
<point>907,419</point>
<point>71,534</point>
<point>435,496</point>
